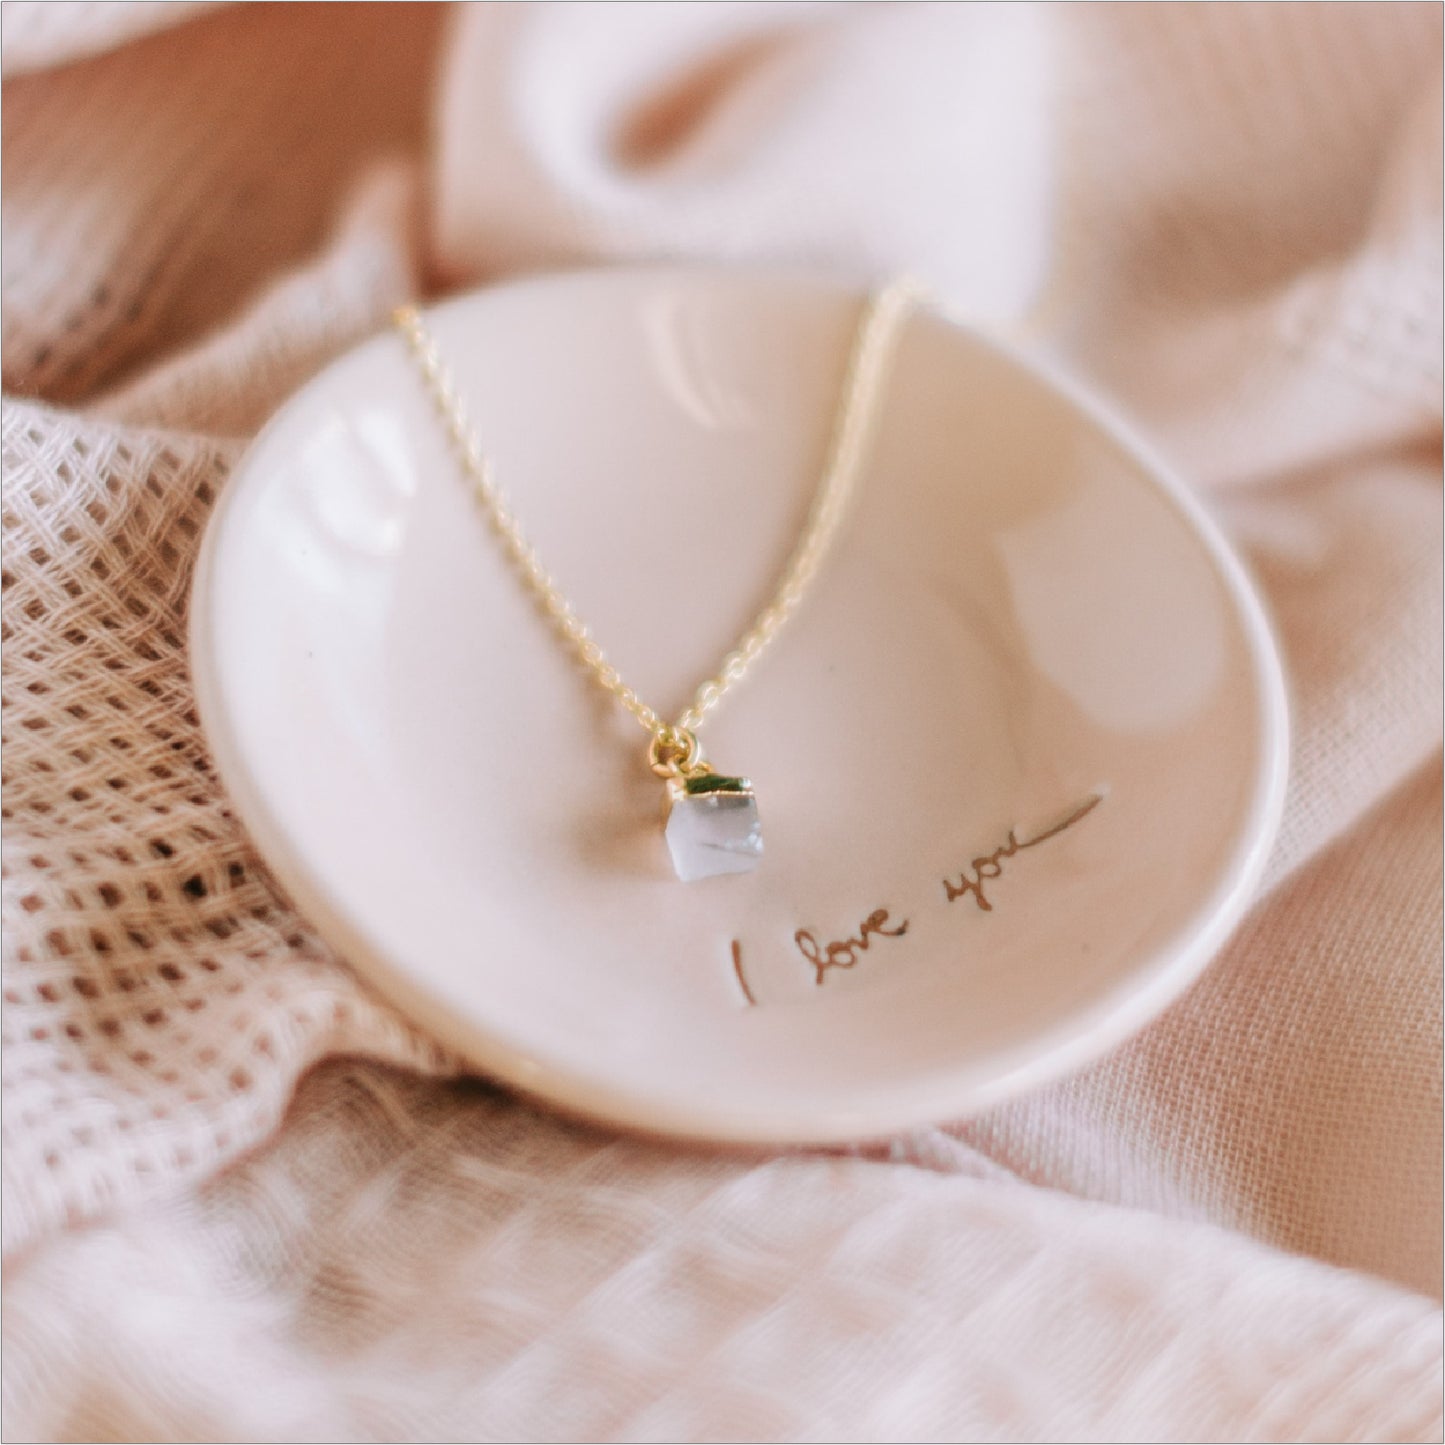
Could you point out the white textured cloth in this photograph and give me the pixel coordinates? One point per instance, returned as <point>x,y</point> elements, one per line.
<point>1227,217</point>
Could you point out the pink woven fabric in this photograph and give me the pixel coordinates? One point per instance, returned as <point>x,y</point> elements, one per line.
<point>1227,217</point>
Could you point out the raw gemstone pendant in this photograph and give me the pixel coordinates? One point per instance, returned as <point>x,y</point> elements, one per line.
<point>712,825</point>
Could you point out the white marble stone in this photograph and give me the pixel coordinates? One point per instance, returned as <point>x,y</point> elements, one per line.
<point>713,831</point>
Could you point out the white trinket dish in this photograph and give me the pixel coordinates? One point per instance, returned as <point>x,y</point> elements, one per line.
<point>1020,755</point>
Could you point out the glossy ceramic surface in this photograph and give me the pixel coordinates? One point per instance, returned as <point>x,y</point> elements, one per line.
<point>1031,709</point>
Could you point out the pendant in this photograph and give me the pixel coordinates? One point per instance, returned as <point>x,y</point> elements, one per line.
<point>712,822</point>
<point>712,825</point>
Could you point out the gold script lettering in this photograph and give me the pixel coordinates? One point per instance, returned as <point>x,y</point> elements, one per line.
<point>740,975</point>
<point>990,865</point>
<point>844,952</point>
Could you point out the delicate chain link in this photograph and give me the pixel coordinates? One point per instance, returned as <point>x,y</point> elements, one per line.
<point>857,408</point>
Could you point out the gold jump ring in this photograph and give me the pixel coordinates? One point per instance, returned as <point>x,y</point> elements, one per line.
<point>674,751</point>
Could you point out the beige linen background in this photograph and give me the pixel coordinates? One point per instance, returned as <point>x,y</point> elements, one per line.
<point>1228,217</point>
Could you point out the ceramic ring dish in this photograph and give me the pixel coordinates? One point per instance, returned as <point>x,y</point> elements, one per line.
<point>1020,755</point>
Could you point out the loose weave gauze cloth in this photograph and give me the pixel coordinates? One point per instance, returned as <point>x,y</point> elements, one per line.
<point>245,1200</point>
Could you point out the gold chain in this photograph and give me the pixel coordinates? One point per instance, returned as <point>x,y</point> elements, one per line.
<point>674,746</point>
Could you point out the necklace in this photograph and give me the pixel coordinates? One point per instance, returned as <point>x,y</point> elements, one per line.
<point>711,817</point>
